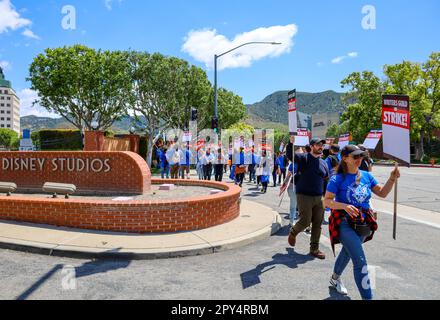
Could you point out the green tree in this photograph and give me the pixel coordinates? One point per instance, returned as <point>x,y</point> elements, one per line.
<point>82,85</point>
<point>231,109</point>
<point>364,99</point>
<point>335,130</point>
<point>165,88</point>
<point>420,81</point>
<point>8,138</point>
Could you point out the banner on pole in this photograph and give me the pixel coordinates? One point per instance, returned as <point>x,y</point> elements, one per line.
<point>291,101</point>
<point>344,140</point>
<point>303,137</point>
<point>372,139</point>
<point>396,127</point>
<point>187,137</point>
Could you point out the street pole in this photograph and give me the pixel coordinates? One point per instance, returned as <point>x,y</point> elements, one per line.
<point>215,69</point>
<point>215,87</point>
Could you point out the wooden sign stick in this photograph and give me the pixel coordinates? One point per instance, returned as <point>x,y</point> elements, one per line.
<point>395,206</point>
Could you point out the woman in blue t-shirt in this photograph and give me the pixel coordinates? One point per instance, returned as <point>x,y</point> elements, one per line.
<point>348,195</point>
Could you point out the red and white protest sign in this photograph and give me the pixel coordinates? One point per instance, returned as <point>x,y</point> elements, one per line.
<point>396,127</point>
<point>291,101</point>
<point>187,136</point>
<point>372,139</point>
<point>344,140</point>
<point>303,137</point>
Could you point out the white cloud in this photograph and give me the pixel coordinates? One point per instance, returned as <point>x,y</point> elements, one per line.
<point>339,59</point>
<point>108,3</point>
<point>10,18</point>
<point>203,44</point>
<point>28,33</point>
<point>27,97</point>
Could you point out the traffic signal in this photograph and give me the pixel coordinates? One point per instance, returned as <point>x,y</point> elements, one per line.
<point>214,124</point>
<point>194,114</point>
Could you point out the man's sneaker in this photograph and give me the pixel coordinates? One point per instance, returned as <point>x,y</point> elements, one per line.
<point>339,286</point>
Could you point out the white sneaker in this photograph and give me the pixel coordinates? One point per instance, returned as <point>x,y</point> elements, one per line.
<point>339,286</point>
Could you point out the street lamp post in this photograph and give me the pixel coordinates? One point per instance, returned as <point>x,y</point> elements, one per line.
<point>215,69</point>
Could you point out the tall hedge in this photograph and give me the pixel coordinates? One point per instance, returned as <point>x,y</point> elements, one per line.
<point>58,139</point>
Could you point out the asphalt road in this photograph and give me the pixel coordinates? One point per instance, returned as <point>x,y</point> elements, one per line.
<point>269,269</point>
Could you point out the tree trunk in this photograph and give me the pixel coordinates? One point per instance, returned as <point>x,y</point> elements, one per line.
<point>149,158</point>
<point>420,152</point>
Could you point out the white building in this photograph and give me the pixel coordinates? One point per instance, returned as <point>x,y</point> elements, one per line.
<point>9,105</point>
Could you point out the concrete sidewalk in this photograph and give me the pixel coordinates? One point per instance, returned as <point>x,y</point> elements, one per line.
<point>255,222</point>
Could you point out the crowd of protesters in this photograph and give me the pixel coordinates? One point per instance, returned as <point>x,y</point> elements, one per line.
<point>244,164</point>
<point>317,178</point>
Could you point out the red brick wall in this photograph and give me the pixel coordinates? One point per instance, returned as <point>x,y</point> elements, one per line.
<point>129,216</point>
<point>129,173</point>
<point>96,141</point>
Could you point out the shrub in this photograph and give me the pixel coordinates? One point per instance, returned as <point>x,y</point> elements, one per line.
<point>58,139</point>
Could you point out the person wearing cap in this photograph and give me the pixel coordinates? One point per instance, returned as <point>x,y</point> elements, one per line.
<point>352,222</point>
<point>309,181</point>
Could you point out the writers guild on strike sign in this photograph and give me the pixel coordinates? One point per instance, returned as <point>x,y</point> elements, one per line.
<point>56,164</point>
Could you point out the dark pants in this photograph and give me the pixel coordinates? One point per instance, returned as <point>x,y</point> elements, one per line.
<point>258,180</point>
<point>239,179</point>
<point>274,175</point>
<point>311,210</point>
<point>218,172</point>
<point>283,173</point>
<point>251,169</point>
<point>207,170</point>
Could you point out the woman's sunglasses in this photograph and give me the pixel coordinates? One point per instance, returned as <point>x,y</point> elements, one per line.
<point>357,157</point>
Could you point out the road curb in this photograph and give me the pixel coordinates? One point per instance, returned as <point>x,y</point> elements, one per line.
<point>142,254</point>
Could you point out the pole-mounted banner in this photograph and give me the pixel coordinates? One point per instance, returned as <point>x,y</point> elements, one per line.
<point>344,140</point>
<point>291,102</point>
<point>372,139</point>
<point>396,136</point>
<point>396,128</point>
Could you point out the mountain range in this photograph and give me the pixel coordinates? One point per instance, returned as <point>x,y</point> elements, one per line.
<point>271,112</point>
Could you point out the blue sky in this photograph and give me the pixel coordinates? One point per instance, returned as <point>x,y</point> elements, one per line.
<point>323,41</point>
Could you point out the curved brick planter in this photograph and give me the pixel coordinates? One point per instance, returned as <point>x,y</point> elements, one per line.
<point>130,216</point>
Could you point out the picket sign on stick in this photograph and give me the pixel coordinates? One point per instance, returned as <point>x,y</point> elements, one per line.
<point>396,136</point>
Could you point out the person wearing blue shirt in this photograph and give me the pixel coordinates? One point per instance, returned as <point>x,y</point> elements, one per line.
<point>281,162</point>
<point>252,163</point>
<point>240,167</point>
<point>185,163</point>
<point>163,163</point>
<point>349,192</point>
